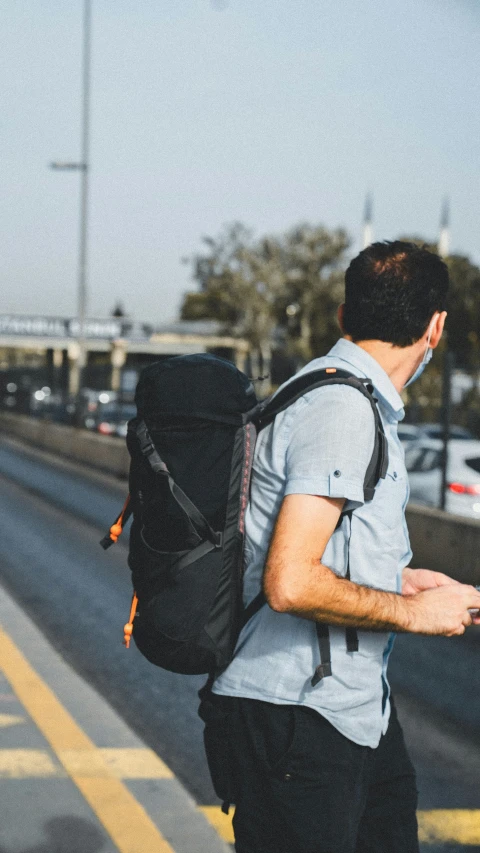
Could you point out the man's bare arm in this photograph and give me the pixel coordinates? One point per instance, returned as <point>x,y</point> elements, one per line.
<point>297,582</point>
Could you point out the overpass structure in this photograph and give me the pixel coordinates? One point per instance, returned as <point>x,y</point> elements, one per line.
<point>116,347</point>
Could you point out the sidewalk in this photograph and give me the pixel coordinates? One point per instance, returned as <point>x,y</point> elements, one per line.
<point>73,777</point>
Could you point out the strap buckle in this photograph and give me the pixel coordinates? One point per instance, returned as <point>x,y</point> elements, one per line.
<point>321,671</point>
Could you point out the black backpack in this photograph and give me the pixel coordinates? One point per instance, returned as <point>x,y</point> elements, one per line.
<point>191,448</point>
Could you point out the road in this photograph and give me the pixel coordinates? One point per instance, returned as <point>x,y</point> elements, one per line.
<point>52,515</point>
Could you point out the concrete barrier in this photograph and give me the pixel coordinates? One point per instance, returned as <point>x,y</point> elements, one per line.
<point>97,451</point>
<point>446,543</point>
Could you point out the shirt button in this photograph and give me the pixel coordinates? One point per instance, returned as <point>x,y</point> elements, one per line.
<point>337,473</point>
<point>287,777</point>
<point>395,475</point>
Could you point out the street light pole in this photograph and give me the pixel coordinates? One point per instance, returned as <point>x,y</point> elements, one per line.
<point>85,164</point>
<point>448,365</point>
<point>84,167</point>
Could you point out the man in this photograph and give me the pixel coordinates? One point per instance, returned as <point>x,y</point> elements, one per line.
<point>324,769</point>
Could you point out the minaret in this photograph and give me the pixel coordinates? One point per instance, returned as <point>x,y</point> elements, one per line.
<point>368,221</point>
<point>444,238</point>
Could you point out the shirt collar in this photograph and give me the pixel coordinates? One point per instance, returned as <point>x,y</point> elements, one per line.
<point>363,362</point>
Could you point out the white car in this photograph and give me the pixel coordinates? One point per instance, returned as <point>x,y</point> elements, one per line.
<point>424,465</point>
<point>408,433</point>
<point>436,431</point>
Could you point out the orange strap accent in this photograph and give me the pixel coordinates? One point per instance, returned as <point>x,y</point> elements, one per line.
<point>128,628</point>
<point>117,527</point>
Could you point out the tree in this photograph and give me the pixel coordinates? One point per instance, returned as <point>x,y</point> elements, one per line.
<point>314,260</point>
<point>219,274</point>
<point>463,321</point>
<point>239,285</point>
<point>289,284</point>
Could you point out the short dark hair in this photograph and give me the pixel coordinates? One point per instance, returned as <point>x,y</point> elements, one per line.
<point>392,291</point>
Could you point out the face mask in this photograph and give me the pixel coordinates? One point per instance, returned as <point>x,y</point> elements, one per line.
<point>421,367</point>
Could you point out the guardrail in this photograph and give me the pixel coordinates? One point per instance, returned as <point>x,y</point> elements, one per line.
<point>447,543</point>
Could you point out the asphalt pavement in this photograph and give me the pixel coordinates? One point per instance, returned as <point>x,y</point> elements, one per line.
<point>53,513</point>
<point>74,778</point>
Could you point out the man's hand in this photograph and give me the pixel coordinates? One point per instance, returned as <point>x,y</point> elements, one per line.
<point>296,581</point>
<point>418,580</point>
<point>444,610</point>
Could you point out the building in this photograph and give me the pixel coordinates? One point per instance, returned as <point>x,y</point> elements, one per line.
<point>39,352</point>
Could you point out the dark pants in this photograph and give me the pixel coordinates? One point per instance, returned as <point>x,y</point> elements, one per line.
<point>302,787</point>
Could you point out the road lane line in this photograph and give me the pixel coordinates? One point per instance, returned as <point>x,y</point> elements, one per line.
<point>28,764</point>
<point>7,720</point>
<point>131,763</point>
<point>124,763</point>
<point>220,821</point>
<point>124,819</point>
<point>457,826</point>
<point>112,804</point>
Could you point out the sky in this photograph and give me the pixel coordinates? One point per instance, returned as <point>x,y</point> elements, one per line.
<point>205,112</point>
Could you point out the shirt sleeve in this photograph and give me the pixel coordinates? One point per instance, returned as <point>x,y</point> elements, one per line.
<point>330,444</point>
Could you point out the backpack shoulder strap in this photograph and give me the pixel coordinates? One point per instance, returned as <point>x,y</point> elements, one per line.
<point>377,467</point>
<point>292,391</point>
<point>253,608</point>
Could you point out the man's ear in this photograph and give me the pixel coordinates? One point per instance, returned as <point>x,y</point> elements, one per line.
<point>437,329</point>
<point>340,313</point>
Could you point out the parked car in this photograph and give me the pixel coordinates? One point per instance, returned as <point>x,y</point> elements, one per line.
<point>408,433</point>
<point>51,406</point>
<point>90,405</point>
<point>424,465</point>
<point>112,418</point>
<point>436,431</point>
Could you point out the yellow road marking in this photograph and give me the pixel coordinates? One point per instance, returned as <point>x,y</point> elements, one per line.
<point>460,826</point>
<point>87,763</point>
<point>121,763</point>
<point>220,821</point>
<point>10,720</point>
<point>127,823</point>
<point>98,763</point>
<point>135,764</point>
<point>26,764</point>
<point>97,772</point>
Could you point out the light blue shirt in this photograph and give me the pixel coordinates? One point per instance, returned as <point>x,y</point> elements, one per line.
<point>321,445</point>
